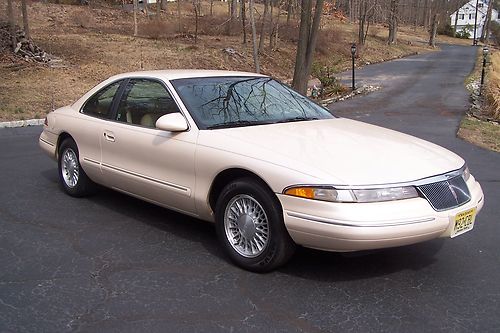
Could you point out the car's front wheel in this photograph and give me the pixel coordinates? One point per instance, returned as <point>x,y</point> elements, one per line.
<point>249,223</point>
<point>73,179</point>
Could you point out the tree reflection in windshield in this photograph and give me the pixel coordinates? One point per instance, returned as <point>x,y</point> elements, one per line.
<point>217,102</point>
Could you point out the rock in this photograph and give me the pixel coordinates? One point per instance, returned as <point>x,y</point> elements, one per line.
<point>18,47</point>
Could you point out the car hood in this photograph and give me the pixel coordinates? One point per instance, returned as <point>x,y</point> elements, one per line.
<point>339,151</point>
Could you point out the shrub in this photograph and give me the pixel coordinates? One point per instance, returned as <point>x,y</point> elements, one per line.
<point>465,32</point>
<point>447,30</point>
<point>331,85</point>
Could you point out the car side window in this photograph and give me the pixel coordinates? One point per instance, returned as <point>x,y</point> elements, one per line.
<point>143,102</point>
<point>100,104</point>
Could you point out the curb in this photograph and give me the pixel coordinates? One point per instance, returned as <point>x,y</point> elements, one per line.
<point>22,123</point>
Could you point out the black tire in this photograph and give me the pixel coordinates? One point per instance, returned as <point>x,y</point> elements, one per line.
<point>68,162</point>
<point>278,246</point>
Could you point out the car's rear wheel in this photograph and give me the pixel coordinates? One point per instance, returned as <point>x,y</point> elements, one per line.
<point>249,223</point>
<point>73,179</point>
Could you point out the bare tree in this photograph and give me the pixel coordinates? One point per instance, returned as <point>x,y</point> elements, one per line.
<point>366,11</point>
<point>158,8</point>
<point>393,21</point>
<point>273,37</point>
<point>12,24</point>
<point>254,37</point>
<point>135,17</point>
<point>308,35</point>
<point>196,8</point>
<point>232,15</point>
<point>179,15</point>
<point>26,25</point>
<point>456,22</point>
<point>243,21</point>
<point>486,28</point>
<point>146,8</point>
<point>263,26</point>
<point>289,10</point>
<point>433,29</point>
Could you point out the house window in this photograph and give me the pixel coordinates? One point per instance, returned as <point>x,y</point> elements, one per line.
<point>461,16</point>
<point>472,16</point>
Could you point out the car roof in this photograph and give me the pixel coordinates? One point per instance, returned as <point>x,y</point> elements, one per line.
<point>172,74</point>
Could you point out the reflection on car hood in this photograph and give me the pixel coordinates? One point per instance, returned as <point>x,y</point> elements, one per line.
<point>339,151</point>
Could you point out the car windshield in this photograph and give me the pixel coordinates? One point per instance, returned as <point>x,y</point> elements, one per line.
<point>223,102</point>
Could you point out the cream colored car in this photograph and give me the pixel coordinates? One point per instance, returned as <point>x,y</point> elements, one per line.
<point>268,166</point>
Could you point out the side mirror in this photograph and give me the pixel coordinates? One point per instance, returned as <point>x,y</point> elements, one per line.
<point>172,122</point>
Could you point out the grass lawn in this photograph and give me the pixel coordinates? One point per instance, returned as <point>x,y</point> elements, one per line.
<point>482,132</point>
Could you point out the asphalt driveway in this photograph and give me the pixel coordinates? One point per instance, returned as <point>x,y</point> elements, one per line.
<point>113,263</point>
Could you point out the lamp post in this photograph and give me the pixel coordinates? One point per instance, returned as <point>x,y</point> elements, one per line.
<point>486,50</point>
<point>353,54</point>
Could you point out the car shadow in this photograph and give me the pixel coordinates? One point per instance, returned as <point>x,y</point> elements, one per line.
<point>334,266</point>
<point>306,263</point>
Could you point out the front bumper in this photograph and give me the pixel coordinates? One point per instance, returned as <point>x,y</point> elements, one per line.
<point>363,226</point>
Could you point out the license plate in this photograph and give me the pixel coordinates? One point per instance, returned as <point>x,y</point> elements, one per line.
<point>464,222</point>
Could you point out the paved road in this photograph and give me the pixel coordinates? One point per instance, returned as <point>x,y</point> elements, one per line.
<point>113,263</point>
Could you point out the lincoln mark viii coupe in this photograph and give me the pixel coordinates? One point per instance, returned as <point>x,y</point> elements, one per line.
<point>268,166</point>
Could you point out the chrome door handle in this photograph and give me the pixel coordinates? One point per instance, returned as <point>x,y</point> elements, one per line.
<point>109,136</point>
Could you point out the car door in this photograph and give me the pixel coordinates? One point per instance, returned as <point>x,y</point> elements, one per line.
<point>97,112</point>
<point>143,161</point>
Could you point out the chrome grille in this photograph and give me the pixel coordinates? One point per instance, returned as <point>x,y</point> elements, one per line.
<point>446,194</point>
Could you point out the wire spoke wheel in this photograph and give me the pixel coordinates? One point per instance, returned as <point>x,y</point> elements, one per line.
<point>246,226</point>
<point>70,169</point>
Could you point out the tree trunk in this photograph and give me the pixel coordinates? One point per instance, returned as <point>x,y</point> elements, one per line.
<point>26,26</point>
<point>263,26</point>
<point>486,28</point>
<point>271,25</point>
<point>433,30</point>
<point>146,8</point>
<point>313,37</point>
<point>178,15</point>
<point>425,18</point>
<point>232,16</point>
<point>254,38</point>
<point>244,20</point>
<point>211,7</point>
<point>456,22</point>
<point>288,11</point>
<point>308,34</point>
<point>158,8</point>
<point>12,24</point>
<point>196,15</point>
<point>274,35</point>
<point>393,22</point>
<point>300,75</point>
<point>135,17</point>
<point>361,23</point>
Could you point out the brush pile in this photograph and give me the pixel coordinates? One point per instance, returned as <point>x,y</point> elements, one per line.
<point>25,48</point>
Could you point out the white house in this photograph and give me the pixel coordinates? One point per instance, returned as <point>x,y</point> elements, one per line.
<point>467,14</point>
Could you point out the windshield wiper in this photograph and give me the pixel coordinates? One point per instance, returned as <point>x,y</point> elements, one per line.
<point>291,120</point>
<point>238,123</point>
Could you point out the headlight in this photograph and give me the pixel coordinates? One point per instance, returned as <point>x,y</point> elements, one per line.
<point>356,195</point>
<point>466,174</point>
<point>385,194</point>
